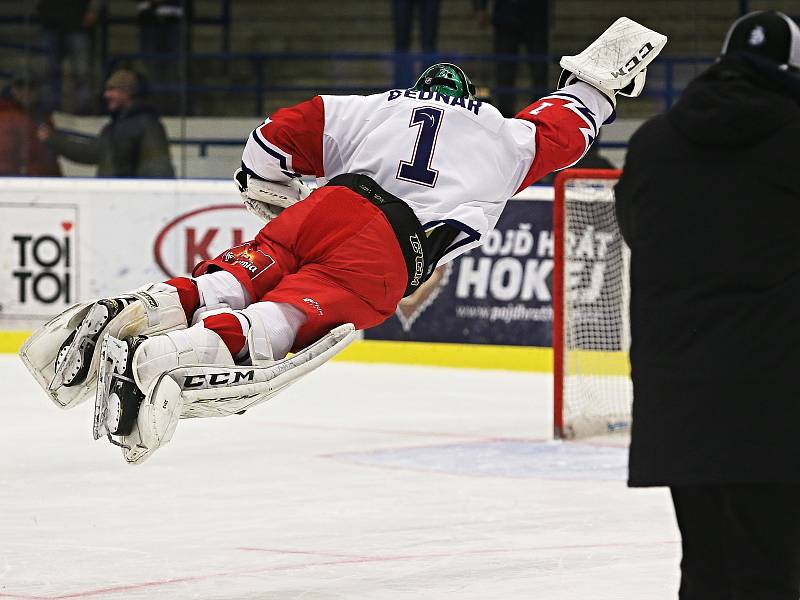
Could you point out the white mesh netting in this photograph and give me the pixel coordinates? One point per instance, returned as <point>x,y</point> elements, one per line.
<point>596,388</point>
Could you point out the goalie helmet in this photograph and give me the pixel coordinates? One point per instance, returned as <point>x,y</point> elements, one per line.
<point>446,79</point>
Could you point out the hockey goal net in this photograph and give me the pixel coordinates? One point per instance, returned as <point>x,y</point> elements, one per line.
<point>591,337</point>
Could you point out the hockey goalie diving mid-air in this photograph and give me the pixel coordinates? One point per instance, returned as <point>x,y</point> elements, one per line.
<point>412,179</point>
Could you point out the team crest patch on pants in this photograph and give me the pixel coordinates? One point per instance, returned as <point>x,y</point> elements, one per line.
<point>251,259</point>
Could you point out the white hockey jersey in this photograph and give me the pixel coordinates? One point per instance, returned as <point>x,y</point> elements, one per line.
<point>453,161</point>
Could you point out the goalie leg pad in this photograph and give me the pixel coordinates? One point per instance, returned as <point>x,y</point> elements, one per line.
<point>217,391</point>
<point>125,412</point>
<point>218,289</point>
<point>268,329</point>
<point>273,329</point>
<point>155,424</point>
<point>193,346</point>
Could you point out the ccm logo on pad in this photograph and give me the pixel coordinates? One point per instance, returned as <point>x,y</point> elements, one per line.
<point>635,60</point>
<point>214,379</point>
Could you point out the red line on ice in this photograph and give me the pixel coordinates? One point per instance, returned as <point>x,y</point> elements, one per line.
<point>343,560</point>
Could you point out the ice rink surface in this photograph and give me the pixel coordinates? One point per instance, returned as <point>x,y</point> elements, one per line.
<point>367,482</point>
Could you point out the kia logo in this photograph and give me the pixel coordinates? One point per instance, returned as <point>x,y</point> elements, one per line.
<point>201,234</point>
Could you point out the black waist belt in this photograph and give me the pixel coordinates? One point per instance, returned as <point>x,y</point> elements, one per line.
<point>406,226</point>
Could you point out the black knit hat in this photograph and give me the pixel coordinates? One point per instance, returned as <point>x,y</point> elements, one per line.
<point>769,34</point>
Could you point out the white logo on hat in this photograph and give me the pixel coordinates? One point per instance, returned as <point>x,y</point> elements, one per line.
<point>757,36</point>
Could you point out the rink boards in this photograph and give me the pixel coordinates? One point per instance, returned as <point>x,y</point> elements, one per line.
<point>68,240</point>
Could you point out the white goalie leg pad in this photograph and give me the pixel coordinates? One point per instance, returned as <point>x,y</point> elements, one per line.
<point>219,289</point>
<point>218,392</point>
<point>153,309</point>
<point>193,346</point>
<point>155,424</point>
<point>159,310</point>
<point>617,57</point>
<point>273,327</point>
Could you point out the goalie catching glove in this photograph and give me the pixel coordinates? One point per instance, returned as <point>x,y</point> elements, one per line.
<point>616,62</point>
<point>266,199</point>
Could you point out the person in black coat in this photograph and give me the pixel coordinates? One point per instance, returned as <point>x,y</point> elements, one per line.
<point>164,38</point>
<point>67,34</point>
<point>517,24</point>
<point>709,203</point>
<point>133,144</point>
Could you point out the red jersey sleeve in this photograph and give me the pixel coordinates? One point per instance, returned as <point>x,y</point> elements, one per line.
<point>567,122</point>
<point>288,144</point>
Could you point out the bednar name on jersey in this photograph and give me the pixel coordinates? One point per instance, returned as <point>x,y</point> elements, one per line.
<point>452,161</point>
<point>466,103</point>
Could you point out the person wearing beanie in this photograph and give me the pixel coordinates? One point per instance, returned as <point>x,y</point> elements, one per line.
<point>132,144</point>
<point>709,204</point>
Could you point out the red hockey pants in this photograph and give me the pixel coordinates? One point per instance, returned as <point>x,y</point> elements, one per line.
<point>334,256</point>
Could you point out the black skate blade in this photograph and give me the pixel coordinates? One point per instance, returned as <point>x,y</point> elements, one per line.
<point>58,379</point>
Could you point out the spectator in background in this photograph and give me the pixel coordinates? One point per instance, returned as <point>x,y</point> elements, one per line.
<point>708,203</point>
<point>21,152</point>
<point>403,11</point>
<point>133,144</point>
<point>66,33</point>
<point>403,15</point>
<point>517,24</point>
<point>163,30</point>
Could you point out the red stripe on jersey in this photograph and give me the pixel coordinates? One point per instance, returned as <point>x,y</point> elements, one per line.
<point>297,130</point>
<point>559,139</point>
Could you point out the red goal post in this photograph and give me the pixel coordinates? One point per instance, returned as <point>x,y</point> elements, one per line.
<point>591,336</point>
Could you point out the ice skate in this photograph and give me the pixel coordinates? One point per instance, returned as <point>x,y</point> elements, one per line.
<point>63,354</point>
<point>75,356</point>
<point>118,397</point>
<point>124,413</point>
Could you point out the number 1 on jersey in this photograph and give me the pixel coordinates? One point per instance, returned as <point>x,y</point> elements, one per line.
<point>418,170</point>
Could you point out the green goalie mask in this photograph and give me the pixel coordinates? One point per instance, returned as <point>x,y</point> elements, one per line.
<point>446,79</point>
